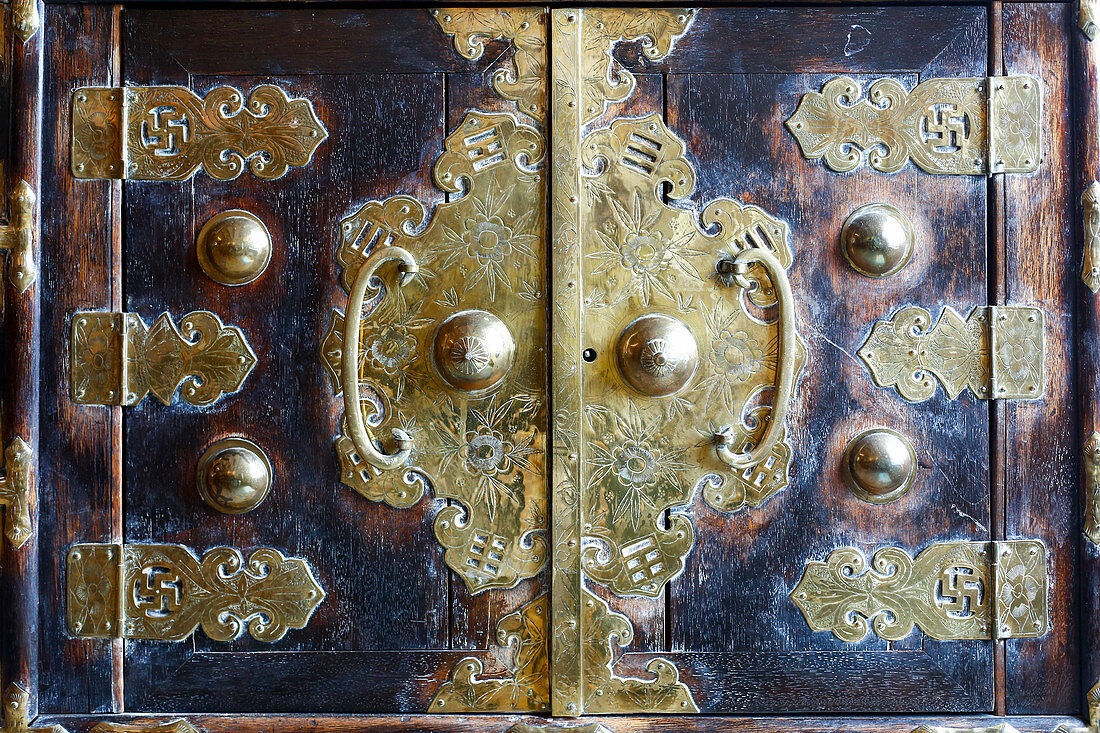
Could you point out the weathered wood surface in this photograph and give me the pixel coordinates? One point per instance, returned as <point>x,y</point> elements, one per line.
<point>1041,441</point>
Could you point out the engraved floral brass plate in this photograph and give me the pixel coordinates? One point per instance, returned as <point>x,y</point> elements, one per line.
<point>1090,223</point>
<point>453,359</point>
<point>998,352</point>
<point>952,590</point>
<point>167,133</point>
<point>961,126</point>
<point>165,592</point>
<point>117,359</point>
<point>15,487</point>
<point>717,319</point>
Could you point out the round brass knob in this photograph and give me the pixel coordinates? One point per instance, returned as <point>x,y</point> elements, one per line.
<point>879,465</point>
<point>473,350</point>
<point>657,354</point>
<point>234,247</point>
<point>234,476</point>
<point>877,240</point>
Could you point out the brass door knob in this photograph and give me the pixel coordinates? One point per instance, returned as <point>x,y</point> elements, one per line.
<point>657,354</point>
<point>234,247</point>
<point>234,476</point>
<point>879,465</point>
<point>473,350</point>
<point>877,240</point>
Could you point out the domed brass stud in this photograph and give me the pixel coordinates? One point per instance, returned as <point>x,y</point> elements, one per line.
<point>473,350</point>
<point>234,476</point>
<point>656,354</point>
<point>234,247</point>
<point>877,240</point>
<point>879,465</point>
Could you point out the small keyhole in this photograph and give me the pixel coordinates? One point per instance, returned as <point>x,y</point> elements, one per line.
<point>589,355</point>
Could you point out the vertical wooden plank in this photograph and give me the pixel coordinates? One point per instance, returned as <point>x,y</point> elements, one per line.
<point>1086,162</point>
<point>22,334</point>
<point>1041,437</point>
<point>78,473</point>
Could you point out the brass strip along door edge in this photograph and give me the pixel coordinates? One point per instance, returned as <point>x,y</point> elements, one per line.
<point>164,592</point>
<point>168,133</point>
<point>1091,478</point>
<point>951,591</point>
<point>118,360</point>
<point>998,352</point>
<point>967,126</point>
<point>173,726</point>
<point>1090,224</point>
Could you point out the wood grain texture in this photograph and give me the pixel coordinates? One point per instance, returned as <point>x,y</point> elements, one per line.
<point>1085,76</point>
<point>732,603</point>
<point>1042,443</point>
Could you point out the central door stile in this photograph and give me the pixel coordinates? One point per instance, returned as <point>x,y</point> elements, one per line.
<point>566,656</point>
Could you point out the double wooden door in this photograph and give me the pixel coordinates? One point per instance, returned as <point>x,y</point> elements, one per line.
<point>572,361</point>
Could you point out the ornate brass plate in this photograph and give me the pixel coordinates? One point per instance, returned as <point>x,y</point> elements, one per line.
<point>1091,478</point>
<point>15,487</point>
<point>451,356</point>
<point>17,713</point>
<point>165,592</point>
<point>717,319</point>
<point>168,133</point>
<point>117,359</point>
<point>962,126</point>
<point>997,352</point>
<point>20,237</point>
<point>1090,265</point>
<point>952,590</point>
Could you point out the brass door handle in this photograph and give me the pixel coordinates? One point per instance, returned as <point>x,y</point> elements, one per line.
<point>785,368</point>
<point>360,434</point>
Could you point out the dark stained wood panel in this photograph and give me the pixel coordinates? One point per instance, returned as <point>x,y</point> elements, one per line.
<point>78,479</point>
<point>1041,448</point>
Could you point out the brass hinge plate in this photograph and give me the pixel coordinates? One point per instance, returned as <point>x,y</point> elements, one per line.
<point>20,236</point>
<point>15,488</point>
<point>967,126</point>
<point>165,592</point>
<point>117,359</point>
<point>167,133</point>
<point>951,591</point>
<point>998,352</point>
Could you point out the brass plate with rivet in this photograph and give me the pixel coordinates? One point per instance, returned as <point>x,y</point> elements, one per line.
<point>957,125</point>
<point>117,359</point>
<point>997,352</point>
<point>234,476</point>
<point>164,592</point>
<point>879,465</point>
<point>234,247</point>
<point>952,590</point>
<point>168,133</point>
<point>16,486</point>
<point>877,240</point>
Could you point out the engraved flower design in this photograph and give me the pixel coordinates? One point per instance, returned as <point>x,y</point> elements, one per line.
<point>95,136</point>
<point>1019,590</point>
<point>487,239</point>
<point>635,464</point>
<point>391,348</point>
<point>95,359</point>
<point>735,359</point>
<point>633,243</point>
<point>736,356</point>
<point>1019,350</point>
<point>94,592</point>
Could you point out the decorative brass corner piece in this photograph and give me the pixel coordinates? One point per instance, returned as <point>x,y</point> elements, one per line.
<point>607,692</point>
<point>455,355</point>
<point>525,82</point>
<point>17,713</point>
<point>1090,223</point>
<point>526,688</point>
<point>1091,457</point>
<point>1093,702</point>
<point>20,238</point>
<point>950,126</point>
<point>15,490</point>
<point>117,359</point>
<point>175,726</point>
<point>1000,728</point>
<point>164,592</point>
<point>25,18</point>
<point>1088,17</point>
<point>168,133</point>
<point>643,452</point>
<point>953,590</point>
<point>998,352</point>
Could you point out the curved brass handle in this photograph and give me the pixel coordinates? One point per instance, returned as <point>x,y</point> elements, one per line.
<point>784,384</point>
<point>358,431</point>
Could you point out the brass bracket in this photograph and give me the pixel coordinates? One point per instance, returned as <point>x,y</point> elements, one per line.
<point>1090,223</point>
<point>951,591</point>
<point>20,236</point>
<point>998,352</point>
<point>1091,456</point>
<point>165,592</point>
<point>961,126</point>
<point>15,489</point>
<point>25,18</point>
<point>117,359</point>
<point>17,713</point>
<point>167,133</point>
